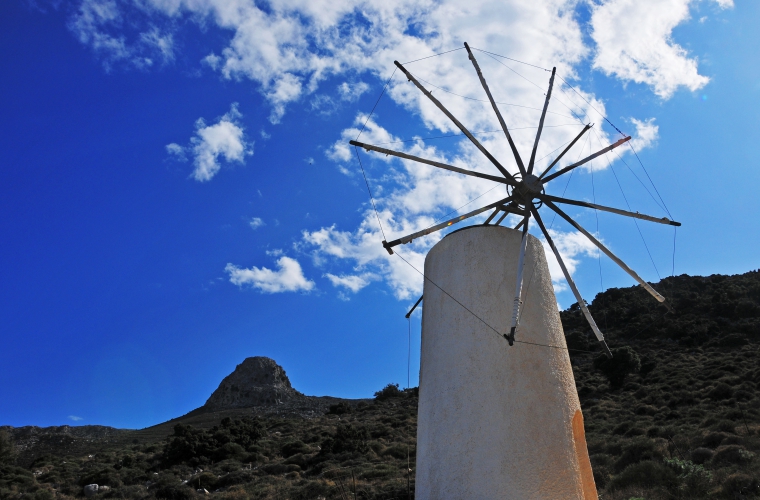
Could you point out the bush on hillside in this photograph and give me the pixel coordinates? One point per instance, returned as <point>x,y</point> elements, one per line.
<point>389,391</point>
<point>347,439</point>
<point>7,449</point>
<point>340,409</point>
<point>648,474</point>
<point>623,362</point>
<point>230,439</point>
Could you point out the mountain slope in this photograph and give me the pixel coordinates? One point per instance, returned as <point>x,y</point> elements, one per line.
<point>680,419</point>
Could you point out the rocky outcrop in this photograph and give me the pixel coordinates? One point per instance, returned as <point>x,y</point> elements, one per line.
<point>257,381</point>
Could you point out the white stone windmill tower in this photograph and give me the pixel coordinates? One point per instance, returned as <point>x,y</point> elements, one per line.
<point>497,422</point>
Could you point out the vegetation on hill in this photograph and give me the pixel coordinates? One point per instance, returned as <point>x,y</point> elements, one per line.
<point>674,415</point>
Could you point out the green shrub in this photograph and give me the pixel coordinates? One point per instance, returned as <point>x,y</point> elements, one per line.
<point>293,447</point>
<point>340,408</point>
<point>713,439</point>
<point>724,426</point>
<point>389,391</point>
<point>175,492</point>
<point>624,361</point>
<point>108,476</point>
<point>741,485</point>
<point>721,391</point>
<point>191,446</point>
<point>205,480</point>
<point>647,474</point>
<point>348,439</point>
<point>236,477</point>
<point>695,478</point>
<point>7,448</point>
<point>400,451</point>
<point>12,476</point>
<point>637,450</point>
<point>701,455</point>
<point>277,469</point>
<point>229,451</point>
<point>732,454</point>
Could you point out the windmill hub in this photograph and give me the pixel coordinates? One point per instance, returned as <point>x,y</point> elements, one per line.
<point>528,188</point>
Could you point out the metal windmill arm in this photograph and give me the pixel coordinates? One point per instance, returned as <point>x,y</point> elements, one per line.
<point>490,217</point>
<point>636,215</point>
<point>541,123</point>
<point>408,315</point>
<point>587,159</point>
<point>518,286</point>
<point>503,216</point>
<point>585,129</point>
<point>442,225</point>
<point>507,175</point>
<point>607,252</point>
<point>496,110</point>
<point>438,164</point>
<point>578,298</point>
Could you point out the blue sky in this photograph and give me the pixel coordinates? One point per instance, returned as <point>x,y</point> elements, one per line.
<point>177,193</point>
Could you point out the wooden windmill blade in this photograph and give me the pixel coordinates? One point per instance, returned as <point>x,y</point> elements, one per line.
<point>503,124</point>
<point>459,125</point>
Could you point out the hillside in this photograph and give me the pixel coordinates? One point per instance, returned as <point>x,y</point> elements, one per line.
<point>677,415</point>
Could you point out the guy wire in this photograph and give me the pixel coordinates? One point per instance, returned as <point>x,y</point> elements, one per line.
<point>370,192</point>
<point>500,335</point>
<point>376,103</point>
<point>675,232</point>
<point>631,210</point>
<point>434,55</point>
<point>598,252</point>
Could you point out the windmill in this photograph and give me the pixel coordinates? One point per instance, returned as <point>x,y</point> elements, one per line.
<point>526,195</point>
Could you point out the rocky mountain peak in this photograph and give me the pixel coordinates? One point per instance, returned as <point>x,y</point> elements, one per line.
<point>257,381</point>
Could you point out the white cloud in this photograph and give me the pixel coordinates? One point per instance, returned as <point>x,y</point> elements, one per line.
<point>255,223</point>
<point>101,24</point>
<point>176,151</point>
<point>353,283</point>
<point>162,43</point>
<point>634,42</point>
<point>572,246</point>
<point>323,104</point>
<point>75,418</point>
<point>287,48</point>
<point>352,91</point>
<point>362,249</point>
<point>287,278</point>
<point>646,133</point>
<point>224,139</point>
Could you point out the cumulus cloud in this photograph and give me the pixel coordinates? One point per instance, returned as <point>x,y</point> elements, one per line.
<point>288,48</point>
<point>101,24</point>
<point>362,250</point>
<point>177,151</point>
<point>224,139</point>
<point>572,247</point>
<point>646,133</point>
<point>352,91</point>
<point>353,283</point>
<point>634,42</point>
<point>255,223</point>
<point>288,277</point>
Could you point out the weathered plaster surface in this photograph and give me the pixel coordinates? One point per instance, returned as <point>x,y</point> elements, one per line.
<point>495,421</point>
